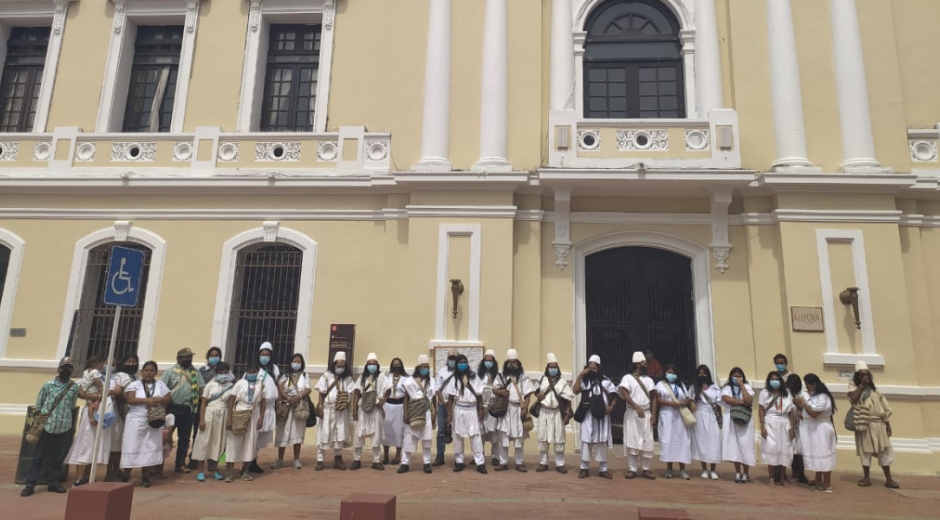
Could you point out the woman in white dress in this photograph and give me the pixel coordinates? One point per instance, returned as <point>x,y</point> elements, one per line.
<point>817,433</point>
<point>334,389</point>
<point>367,411</point>
<point>142,445</point>
<point>675,438</point>
<point>268,377</point>
<point>776,427</point>
<point>487,371</point>
<point>125,374</point>
<point>83,447</point>
<point>706,434</point>
<point>737,446</point>
<point>420,386</point>
<point>294,387</point>
<point>795,387</point>
<point>211,431</point>
<point>394,434</point>
<point>246,396</point>
<point>465,412</point>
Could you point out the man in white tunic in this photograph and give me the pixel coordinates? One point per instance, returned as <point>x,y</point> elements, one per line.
<point>334,389</point>
<point>517,387</point>
<point>640,418</point>
<point>465,407</point>
<point>555,397</point>
<point>488,371</point>
<point>595,431</point>
<point>367,411</point>
<point>421,386</point>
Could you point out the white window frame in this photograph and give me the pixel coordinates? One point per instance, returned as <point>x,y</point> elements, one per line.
<point>121,232</point>
<point>128,14</point>
<point>683,10</point>
<point>37,13</point>
<point>855,237</point>
<point>262,13</point>
<point>17,248</point>
<point>270,232</point>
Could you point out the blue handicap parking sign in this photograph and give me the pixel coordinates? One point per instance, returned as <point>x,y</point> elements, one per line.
<point>124,273</point>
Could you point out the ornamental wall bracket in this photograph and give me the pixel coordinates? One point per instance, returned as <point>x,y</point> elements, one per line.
<point>720,246</point>
<point>562,241</point>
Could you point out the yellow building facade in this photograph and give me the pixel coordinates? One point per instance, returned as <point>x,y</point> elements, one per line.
<point>715,181</point>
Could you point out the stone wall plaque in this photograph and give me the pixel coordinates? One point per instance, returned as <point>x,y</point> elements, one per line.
<point>807,319</point>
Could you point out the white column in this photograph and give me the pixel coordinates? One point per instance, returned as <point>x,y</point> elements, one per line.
<point>858,144</point>
<point>710,90</point>
<point>494,105</point>
<point>786,95</point>
<point>561,84</point>
<point>435,139</point>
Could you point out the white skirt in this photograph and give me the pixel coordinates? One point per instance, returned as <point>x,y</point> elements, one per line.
<point>466,421</point>
<point>290,431</point>
<point>737,445</point>
<point>84,443</point>
<point>371,424</point>
<point>334,427</point>
<point>706,436</point>
<point>819,445</point>
<point>142,445</point>
<point>675,439</point>
<point>210,443</point>
<point>637,433</point>
<point>394,434</point>
<point>242,447</point>
<point>511,423</point>
<point>550,426</point>
<point>776,449</point>
<point>421,434</point>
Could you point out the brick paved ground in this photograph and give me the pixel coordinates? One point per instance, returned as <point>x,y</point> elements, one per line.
<point>289,493</point>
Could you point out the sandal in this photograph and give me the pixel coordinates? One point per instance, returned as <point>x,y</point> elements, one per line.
<point>864,483</point>
<point>648,475</point>
<point>630,475</point>
<point>892,485</point>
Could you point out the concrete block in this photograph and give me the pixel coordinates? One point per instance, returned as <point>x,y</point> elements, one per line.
<point>363,506</point>
<point>100,501</point>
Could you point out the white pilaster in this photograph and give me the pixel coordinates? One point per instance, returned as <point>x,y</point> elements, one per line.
<point>435,139</point>
<point>786,94</point>
<point>710,91</point>
<point>858,144</point>
<point>561,84</point>
<point>494,106</point>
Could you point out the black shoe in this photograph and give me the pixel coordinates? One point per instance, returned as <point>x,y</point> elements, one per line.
<point>145,483</point>
<point>355,465</point>
<point>459,467</point>
<point>481,470</point>
<point>427,468</point>
<point>81,482</point>
<point>403,468</point>
<point>255,468</point>
<point>27,491</point>
<point>193,464</point>
<point>57,488</point>
<point>439,461</point>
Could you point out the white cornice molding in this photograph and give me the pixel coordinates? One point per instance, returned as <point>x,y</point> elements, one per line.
<point>462,211</point>
<point>836,215</point>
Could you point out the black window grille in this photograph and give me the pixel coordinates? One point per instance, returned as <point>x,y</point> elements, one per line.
<point>22,78</point>
<point>264,303</point>
<point>290,86</point>
<point>153,78</point>
<point>633,65</point>
<point>4,267</point>
<point>92,322</point>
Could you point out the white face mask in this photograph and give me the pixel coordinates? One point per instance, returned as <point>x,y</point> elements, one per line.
<point>340,370</point>
<point>295,367</point>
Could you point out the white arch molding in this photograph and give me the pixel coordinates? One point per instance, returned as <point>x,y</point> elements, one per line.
<point>121,232</point>
<point>701,287</point>
<point>17,247</point>
<point>271,232</point>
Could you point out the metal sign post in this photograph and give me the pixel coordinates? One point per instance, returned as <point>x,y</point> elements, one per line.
<point>123,289</point>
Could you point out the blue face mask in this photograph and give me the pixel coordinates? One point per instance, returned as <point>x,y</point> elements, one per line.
<point>451,363</point>
<point>781,368</point>
<point>264,360</point>
<point>775,384</point>
<point>214,360</point>
<point>463,367</point>
<point>734,381</point>
<point>672,378</point>
<point>225,378</point>
<point>251,377</point>
<point>553,372</point>
<point>296,367</point>
<point>424,371</point>
<point>489,364</point>
<point>372,368</point>
<point>340,370</point>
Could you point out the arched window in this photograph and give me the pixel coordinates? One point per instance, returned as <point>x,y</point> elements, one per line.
<point>92,322</point>
<point>265,298</point>
<point>633,62</point>
<point>4,267</point>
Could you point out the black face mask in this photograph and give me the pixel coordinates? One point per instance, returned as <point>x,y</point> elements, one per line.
<point>398,369</point>
<point>644,370</point>
<point>591,375</point>
<point>129,369</point>
<point>65,373</point>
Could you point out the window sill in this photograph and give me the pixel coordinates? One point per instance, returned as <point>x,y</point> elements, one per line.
<point>835,359</point>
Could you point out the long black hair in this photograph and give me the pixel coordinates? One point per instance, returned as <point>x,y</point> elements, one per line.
<point>346,373</point>
<point>214,349</point>
<point>699,384</point>
<point>391,367</point>
<point>783,386</point>
<point>122,364</point>
<point>731,376</point>
<point>506,367</point>
<point>821,388</point>
<point>857,379</point>
<point>794,384</point>
<point>366,375</point>
<point>458,381</point>
<point>482,371</point>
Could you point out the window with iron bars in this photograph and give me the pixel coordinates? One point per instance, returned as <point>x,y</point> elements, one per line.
<point>92,322</point>
<point>153,78</point>
<point>264,304</point>
<point>290,85</point>
<point>22,78</point>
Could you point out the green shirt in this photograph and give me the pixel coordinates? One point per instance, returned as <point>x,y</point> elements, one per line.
<point>180,383</point>
<point>60,419</point>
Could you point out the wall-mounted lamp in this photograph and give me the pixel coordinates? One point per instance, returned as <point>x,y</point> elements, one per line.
<point>456,289</point>
<point>850,297</point>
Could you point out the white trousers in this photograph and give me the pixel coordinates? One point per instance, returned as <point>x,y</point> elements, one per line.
<point>600,454</point>
<point>337,450</point>
<point>476,446</point>
<point>360,442</point>
<point>410,448</point>
<point>559,454</point>
<point>637,458</point>
<point>504,449</point>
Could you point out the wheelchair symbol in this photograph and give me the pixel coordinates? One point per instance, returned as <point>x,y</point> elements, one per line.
<point>122,276</point>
